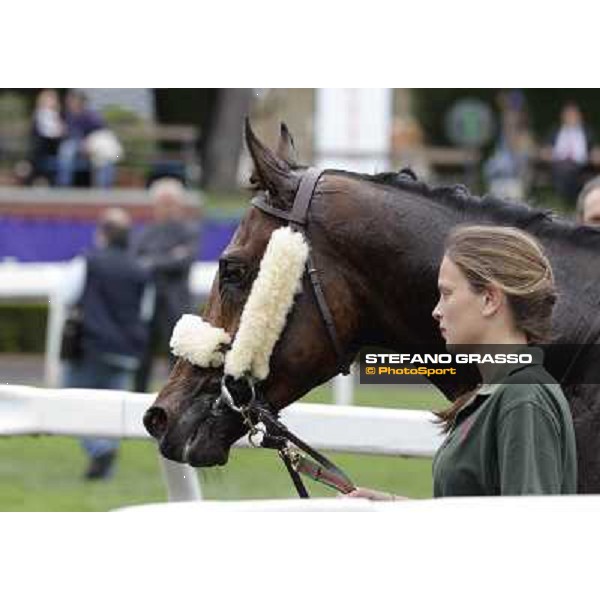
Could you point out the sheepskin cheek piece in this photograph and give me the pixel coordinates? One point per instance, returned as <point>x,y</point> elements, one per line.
<point>271,299</point>
<point>199,342</point>
<point>263,318</point>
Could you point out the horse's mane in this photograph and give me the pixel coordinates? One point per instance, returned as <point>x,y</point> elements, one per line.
<point>536,220</point>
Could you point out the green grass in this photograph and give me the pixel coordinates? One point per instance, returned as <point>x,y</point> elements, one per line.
<point>387,396</point>
<point>45,473</point>
<point>225,206</point>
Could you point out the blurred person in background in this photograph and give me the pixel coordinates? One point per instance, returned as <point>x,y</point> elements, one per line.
<point>168,247</point>
<point>588,203</point>
<point>116,296</point>
<point>82,126</point>
<point>47,129</point>
<point>507,171</point>
<point>571,145</point>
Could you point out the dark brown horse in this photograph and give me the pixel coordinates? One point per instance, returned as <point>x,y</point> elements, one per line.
<point>377,242</point>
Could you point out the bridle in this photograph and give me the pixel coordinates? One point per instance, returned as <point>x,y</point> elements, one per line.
<point>275,435</point>
<point>298,220</point>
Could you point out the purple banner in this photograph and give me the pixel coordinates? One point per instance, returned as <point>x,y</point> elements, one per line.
<point>48,240</point>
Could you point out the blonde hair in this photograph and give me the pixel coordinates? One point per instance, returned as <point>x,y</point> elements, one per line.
<point>515,262</point>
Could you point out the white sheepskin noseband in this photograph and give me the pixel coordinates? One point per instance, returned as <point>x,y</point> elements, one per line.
<point>269,302</point>
<point>263,318</point>
<point>199,342</point>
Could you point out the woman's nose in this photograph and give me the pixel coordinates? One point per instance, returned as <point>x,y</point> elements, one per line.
<point>437,315</point>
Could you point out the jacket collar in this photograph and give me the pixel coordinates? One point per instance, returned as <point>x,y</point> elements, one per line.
<point>501,373</point>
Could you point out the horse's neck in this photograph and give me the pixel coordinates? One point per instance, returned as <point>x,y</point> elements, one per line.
<point>398,262</point>
<point>397,257</point>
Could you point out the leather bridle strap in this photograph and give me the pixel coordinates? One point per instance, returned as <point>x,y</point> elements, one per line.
<point>294,475</point>
<point>299,213</point>
<point>279,437</point>
<point>298,218</point>
<point>261,203</point>
<point>304,196</point>
<point>343,365</point>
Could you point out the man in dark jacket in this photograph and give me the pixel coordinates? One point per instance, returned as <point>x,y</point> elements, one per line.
<point>168,248</point>
<point>117,299</point>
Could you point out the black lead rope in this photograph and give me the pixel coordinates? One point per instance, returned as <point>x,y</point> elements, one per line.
<point>278,437</point>
<point>322,470</point>
<point>296,479</point>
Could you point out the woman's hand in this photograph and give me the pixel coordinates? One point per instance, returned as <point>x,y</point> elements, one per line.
<point>376,495</point>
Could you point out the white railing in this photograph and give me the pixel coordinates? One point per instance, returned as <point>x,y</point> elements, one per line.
<point>42,281</point>
<point>108,413</point>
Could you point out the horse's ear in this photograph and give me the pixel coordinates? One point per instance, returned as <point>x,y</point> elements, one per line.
<point>271,173</point>
<point>286,150</point>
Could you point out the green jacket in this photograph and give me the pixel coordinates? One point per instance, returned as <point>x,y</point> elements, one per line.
<point>514,437</point>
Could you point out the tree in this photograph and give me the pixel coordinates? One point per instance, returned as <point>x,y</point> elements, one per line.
<point>223,143</point>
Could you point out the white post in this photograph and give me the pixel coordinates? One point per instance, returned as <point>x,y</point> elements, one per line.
<point>343,388</point>
<point>57,314</point>
<point>181,481</point>
<point>353,128</point>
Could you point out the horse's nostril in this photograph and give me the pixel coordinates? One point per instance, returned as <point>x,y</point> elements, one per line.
<point>156,421</point>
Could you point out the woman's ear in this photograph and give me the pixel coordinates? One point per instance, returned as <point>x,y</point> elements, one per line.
<point>493,299</point>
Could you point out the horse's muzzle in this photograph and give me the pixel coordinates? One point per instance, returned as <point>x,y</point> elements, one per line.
<point>198,436</point>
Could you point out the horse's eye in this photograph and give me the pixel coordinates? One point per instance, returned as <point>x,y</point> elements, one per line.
<point>231,272</point>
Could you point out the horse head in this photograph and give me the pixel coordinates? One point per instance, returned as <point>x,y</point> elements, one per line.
<point>187,418</point>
